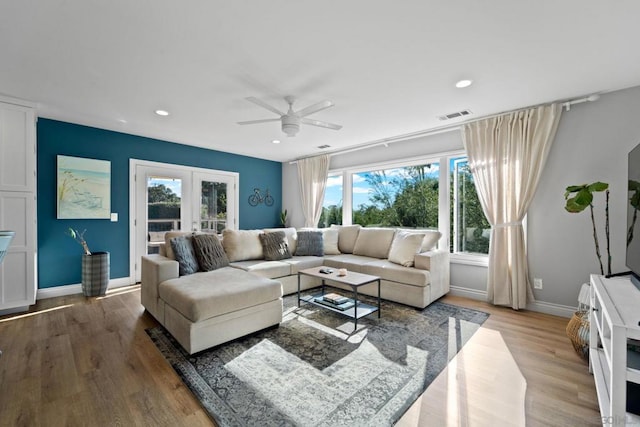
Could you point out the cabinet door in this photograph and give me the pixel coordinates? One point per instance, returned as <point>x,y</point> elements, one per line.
<point>17,272</point>
<point>17,148</point>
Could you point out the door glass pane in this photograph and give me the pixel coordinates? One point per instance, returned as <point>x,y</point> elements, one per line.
<point>163,209</point>
<point>213,206</point>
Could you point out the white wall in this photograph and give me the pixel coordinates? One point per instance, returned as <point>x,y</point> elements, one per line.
<point>592,144</point>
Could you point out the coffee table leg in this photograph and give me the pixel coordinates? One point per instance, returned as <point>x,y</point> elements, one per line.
<point>379,299</point>
<point>298,290</point>
<point>355,308</point>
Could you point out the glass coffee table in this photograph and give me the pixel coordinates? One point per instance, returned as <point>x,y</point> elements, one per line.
<point>355,309</point>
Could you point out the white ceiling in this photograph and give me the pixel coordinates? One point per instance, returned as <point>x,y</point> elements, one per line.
<point>389,67</point>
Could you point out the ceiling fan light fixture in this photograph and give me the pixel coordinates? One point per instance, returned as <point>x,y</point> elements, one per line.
<point>290,125</point>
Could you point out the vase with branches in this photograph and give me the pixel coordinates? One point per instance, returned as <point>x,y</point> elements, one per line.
<point>79,237</point>
<point>578,198</point>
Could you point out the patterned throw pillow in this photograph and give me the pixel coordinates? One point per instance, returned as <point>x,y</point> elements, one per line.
<point>274,246</point>
<point>184,253</point>
<point>209,251</point>
<point>310,243</point>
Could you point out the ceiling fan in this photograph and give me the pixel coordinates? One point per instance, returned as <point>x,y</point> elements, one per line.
<point>291,120</point>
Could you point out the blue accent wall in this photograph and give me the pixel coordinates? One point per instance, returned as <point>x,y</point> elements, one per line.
<point>59,257</point>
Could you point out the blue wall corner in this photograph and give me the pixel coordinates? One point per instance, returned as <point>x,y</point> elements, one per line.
<point>59,257</point>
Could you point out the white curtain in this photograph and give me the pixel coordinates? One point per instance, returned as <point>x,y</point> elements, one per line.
<point>312,176</point>
<point>507,155</point>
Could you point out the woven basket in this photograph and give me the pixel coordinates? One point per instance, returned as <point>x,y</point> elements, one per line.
<point>578,332</point>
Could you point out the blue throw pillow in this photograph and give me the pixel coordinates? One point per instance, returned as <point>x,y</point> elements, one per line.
<point>310,243</point>
<point>182,247</point>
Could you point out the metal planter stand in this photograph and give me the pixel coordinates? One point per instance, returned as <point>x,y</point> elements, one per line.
<point>95,274</point>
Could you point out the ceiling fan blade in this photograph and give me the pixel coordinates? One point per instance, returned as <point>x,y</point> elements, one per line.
<point>264,105</point>
<point>321,124</point>
<point>251,122</point>
<point>314,108</point>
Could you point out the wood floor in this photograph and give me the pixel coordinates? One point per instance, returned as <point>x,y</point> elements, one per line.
<point>88,361</point>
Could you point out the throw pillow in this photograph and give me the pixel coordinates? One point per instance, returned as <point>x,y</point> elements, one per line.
<point>274,246</point>
<point>290,233</point>
<point>310,243</point>
<point>209,252</point>
<point>330,238</point>
<point>430,240</point>
<point>404,247</point>
<point>184,253</point>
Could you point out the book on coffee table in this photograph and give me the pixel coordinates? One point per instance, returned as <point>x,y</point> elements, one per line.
<point>335,298</point>
<point>342,307</point>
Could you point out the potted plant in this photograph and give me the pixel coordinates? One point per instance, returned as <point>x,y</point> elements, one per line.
<point>95,267</point>
<point>578,198</point>
<point>283,218</point>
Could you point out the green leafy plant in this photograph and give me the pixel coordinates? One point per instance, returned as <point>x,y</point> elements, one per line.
<point>283,218</point>
<point>578,198</point>
<point>79,237</point>
<point>634,200</point>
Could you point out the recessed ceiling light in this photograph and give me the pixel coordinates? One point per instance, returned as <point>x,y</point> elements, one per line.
<point>275,141</point>
<point>464,83</point>
<point>162,112</point>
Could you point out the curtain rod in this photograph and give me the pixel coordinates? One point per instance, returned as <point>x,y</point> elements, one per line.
<point>443,129</point>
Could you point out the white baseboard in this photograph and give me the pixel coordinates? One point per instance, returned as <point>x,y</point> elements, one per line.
<point>60,291</point>
<point>538,306</point>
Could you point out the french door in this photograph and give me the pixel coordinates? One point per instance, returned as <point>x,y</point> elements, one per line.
<point>178,198</point>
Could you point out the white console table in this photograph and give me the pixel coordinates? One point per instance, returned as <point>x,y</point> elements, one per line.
<point>614,318</point>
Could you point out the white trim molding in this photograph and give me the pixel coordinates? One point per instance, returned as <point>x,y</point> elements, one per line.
<point>60,291</point>
<point>537,306</point>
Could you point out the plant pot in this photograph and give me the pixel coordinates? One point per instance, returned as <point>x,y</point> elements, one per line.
<point>95,274</point>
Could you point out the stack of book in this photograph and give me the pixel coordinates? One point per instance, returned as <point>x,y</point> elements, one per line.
<point>336,301</point>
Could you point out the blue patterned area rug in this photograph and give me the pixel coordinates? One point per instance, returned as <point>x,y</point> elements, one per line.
<point>314,370</point>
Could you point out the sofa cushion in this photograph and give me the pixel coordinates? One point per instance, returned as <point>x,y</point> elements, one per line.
<point>347,235</point>
<point>349,261</point>
<point>396,273</point>
<point>209,252</point>
<point>292,236</point>
<point>310,243</point>
<point>374,242</point>
<point>274,246</point>
<point>242,245</point>
<point>330,241</point>
<point>184,253</point>
<point>405,246</point>
<point>205,295</point>
<point>167,241</point>
<point>303,262</point>
<point>268,269</point>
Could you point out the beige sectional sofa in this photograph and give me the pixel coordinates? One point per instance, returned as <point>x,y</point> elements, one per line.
<point>205,309</point>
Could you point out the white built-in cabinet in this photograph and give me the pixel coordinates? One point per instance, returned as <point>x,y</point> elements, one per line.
<point>18,204</point>
<point>614,319</point>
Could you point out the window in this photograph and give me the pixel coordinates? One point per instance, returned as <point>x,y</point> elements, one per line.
<point>332,205</point>
<point>401,196</point>
<point>470,230</point>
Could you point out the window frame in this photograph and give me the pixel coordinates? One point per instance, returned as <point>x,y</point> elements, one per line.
<point>443,159</point>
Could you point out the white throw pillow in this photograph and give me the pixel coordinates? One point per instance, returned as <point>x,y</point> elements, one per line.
<point>430,239</point>
<point>241,245</point>
<point>405,246</point>
<point>330,238</point>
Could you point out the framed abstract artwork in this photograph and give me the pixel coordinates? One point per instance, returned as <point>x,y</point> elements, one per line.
<point>84,188</point>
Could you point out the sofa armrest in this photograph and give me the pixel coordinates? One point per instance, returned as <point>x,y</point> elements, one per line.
<point>437,262</point>
<point>155,270</point>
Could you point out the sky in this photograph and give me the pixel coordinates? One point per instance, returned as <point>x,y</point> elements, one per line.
<point>361,189</point>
